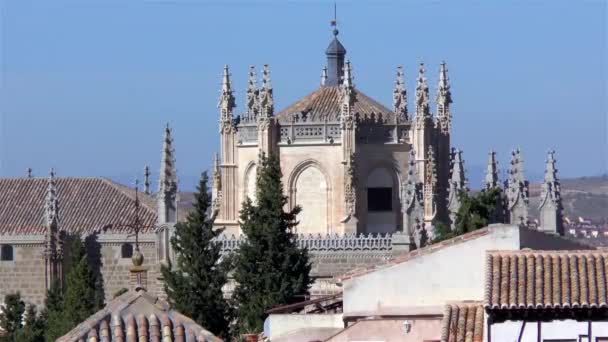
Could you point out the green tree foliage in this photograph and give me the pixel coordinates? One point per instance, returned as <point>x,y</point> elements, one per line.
<point>270,269</point>
<point>476,211</point>
<point>33,329</point>
<point>194,287</point>
<point>52,314</point>
<point>79,300</point>
<point>12,315</point>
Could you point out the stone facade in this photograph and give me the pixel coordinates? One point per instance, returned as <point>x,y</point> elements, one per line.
<point>25,273</point>
<point>343,155</point>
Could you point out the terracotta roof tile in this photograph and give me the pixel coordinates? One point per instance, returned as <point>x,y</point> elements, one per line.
<point>85,205</point>
<point>133,317</point>
<point>462,322</point>
<point>546,279</point>
<point>324,103</point>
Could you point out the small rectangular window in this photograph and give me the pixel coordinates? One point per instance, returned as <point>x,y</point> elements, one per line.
<point>6,253</point>
<point>380,199</point>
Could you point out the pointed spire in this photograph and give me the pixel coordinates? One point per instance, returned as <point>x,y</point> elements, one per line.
<point>167,180</point>
<point>347,79</point>
<point>226,101</point>
<point>252,96</point>
<point>347,95</point>
<point>335,53</point>
<point>216,172</point>
<point>147,180</point>
<point>400,96</point>
<point>413,208</point>
<point>51,203</point>
<point>458,184</point>
<point>517,190</point>
<point>266,95</point>
<point>444,96</point>
<point>550,208</point>
<point>491,178</point>
<point>422,95</point>
<point>324,76</point>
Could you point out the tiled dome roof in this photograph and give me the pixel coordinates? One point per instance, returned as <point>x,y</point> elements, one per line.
<point>324,104</point>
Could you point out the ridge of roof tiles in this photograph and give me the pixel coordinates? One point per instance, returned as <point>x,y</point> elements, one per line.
<point>462,321</point>
<point>138,316</point>
<point>324,104</point>
<point>416,253</point>
<point>86,205</point>
<point>533,279</point>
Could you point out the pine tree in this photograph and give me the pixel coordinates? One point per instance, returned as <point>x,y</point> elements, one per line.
<point>270,269</point>
<point>194,287</point>
<point>12,315</point>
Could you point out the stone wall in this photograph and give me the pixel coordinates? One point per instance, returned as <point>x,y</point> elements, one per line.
<point>24,274</point>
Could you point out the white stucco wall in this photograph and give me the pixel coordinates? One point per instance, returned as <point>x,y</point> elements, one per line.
<point>568,329</point>
<point>280,324</point>
<point>452,273</point>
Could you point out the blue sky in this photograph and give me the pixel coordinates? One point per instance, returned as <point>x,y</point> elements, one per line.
<point>86,86</point>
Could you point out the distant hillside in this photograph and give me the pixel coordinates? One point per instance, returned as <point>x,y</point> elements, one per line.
<point>586,197</point>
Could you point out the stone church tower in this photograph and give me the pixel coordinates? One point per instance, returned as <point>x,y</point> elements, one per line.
<point>345,157</point>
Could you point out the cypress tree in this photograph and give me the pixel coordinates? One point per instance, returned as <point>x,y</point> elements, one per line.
<point>33,329</point>
<point>12,315</point>
<point>51,316</point>
<point>79,300</point>
<point>194,287</point>
<point>270,268</point>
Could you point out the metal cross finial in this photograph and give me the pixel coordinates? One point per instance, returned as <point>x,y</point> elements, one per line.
<point>29,172</point>
<point>334,23</point>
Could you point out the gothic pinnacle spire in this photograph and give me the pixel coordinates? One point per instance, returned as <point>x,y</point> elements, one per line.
<point>517,190</point>
<point>444,96</point>
<point>400,96</point>
<point>51,203</point>
<point>147,180</point>
<point>413,209</point>
<point>167,181</point>
<point>491,178</point>
<point>226,101</point>
<point>458,184</point>
<point>422,95</point>
<point>347,92</point>
<point>252,96</point>
<point>550,208</point>
<point>266,94</point>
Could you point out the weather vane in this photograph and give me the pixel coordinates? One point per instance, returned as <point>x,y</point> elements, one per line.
<point>334,22</point>
<point>136,225</point>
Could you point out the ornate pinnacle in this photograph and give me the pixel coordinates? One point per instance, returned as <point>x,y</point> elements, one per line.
<point>147,180</point>
<point>51,203</point>
<point>411,187</point>
<point>422,95</point>
<point>347,92</point>
<point>400,96</point>
<point>266,96</point>
<point>226,102</point>
<point>491,179</point>
<point>324,76</point>
<point>550,170</point>
<point>347,79</point>
<point>167,180</point>
<point>431,169</point>
<point>252,94</point>
<point>458,179</point>
<point>444,96</point>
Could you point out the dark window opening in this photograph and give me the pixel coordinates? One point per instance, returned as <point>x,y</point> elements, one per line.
<point>380,199</point>
<point>126,250</point>
<point>6,253</point>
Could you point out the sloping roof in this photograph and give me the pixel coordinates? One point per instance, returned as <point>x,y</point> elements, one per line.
<point>86,205</point>
<point>324,103</point>
<point>138,316</point>
<point>462,322</point>
<point>416,253</point>
<point>546,279</point>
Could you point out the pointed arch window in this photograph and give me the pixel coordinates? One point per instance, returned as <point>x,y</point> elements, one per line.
<point>126,250</point>
<point>6,253</point>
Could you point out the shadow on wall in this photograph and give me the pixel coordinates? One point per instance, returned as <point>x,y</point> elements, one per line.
<point>92,249</point>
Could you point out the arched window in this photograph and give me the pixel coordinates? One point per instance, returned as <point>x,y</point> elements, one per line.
<point>126,250</point>
<point>6,253</point>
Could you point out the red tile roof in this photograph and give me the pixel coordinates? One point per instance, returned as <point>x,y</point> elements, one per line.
<point>138,316</point>
<point>416,253</point>
<point>546,279</point>
<point>324,103</point>
<point>462,322</point>
<point>85,205</point>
